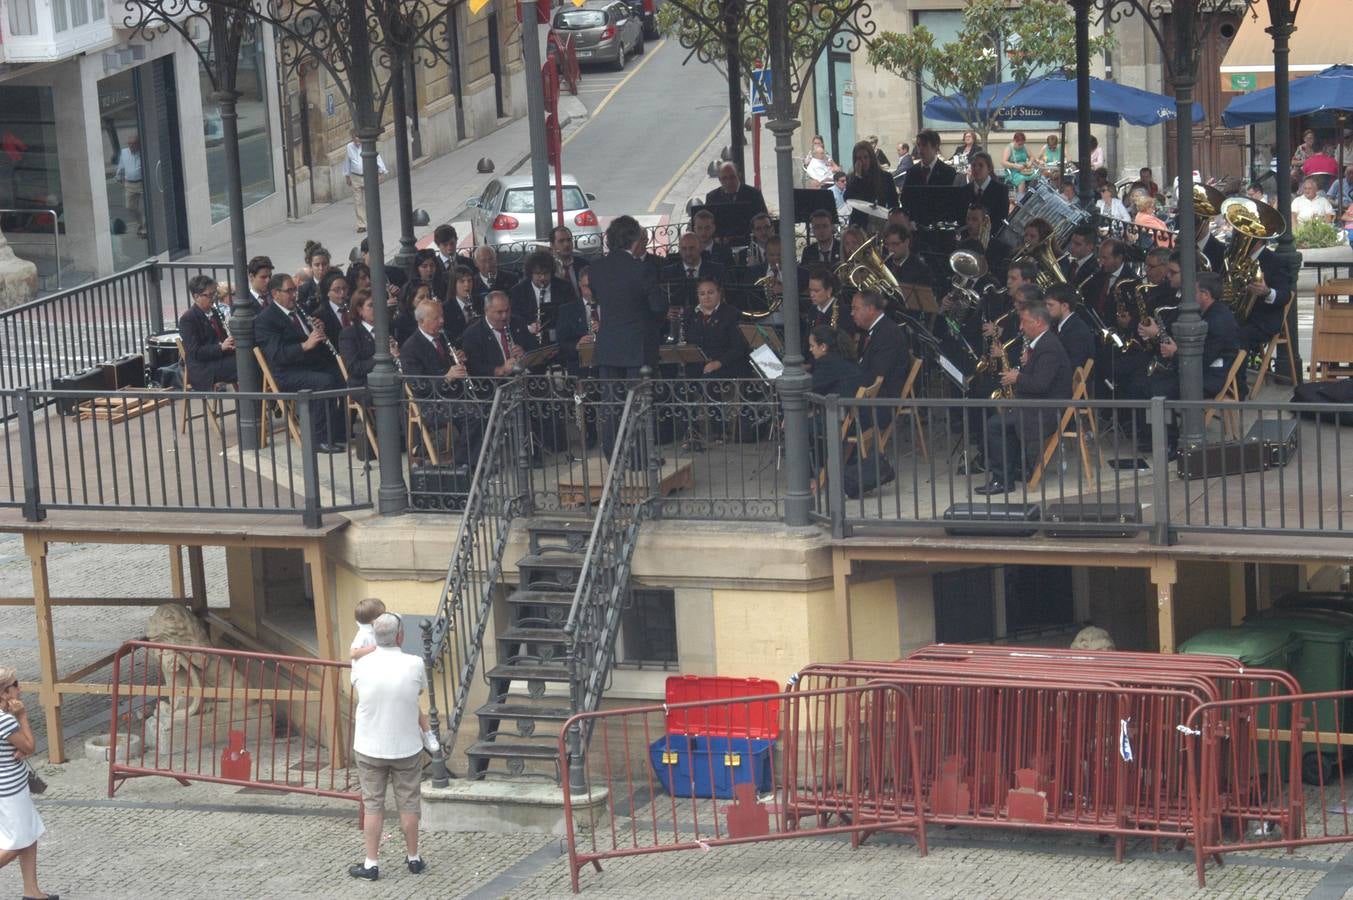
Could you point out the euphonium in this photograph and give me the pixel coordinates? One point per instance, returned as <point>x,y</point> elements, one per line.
<point>773,298</point>
<point>1207,202</point>
<point>1045,255</point>
<point>1251,222</point>
<point>968,268</point>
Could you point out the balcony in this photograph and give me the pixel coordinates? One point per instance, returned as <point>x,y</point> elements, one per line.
<point>49,30</point>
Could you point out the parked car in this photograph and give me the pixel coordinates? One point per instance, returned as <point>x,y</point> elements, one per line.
<point>504,216</point>
<point>603,31</point>
<point>646,11</point>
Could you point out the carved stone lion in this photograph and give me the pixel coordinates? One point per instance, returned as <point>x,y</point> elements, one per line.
<point>173,623</point>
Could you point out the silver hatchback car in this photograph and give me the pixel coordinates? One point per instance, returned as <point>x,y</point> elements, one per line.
<point>504,217</point>
<point>603,31</point>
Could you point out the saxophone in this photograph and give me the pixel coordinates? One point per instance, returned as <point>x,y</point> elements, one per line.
<point>1003,391</point>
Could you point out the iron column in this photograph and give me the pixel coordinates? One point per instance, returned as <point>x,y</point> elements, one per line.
<point>242,309</point>
<point>535,116</point>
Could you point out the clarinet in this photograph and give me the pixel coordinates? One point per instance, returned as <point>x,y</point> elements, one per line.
<point>328,342</point>
<point>394,354</point>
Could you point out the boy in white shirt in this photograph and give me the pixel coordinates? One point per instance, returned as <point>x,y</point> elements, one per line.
<point>364,642</point>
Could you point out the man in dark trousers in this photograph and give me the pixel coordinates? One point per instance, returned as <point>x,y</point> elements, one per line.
<point>1077,338</point>
<point>208,347</point>
<point>300,359</point>
<point>1270,303</point>
<point>1044,374</point>
<point>631,305</point>
<point>881,349</point>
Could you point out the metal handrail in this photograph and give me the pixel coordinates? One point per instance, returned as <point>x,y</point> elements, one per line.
<point>56,235</point>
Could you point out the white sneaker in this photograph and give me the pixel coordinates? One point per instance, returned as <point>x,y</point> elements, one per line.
<point>430,742</point>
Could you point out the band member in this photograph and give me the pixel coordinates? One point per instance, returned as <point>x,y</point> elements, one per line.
<point>988,192</point>
<point>426,352</point>
<point>852,239</point>
<point>1080,264</point>
<point>331,305</point>
<point>713,327</point>
<point>826,307</point>
<point>300,358</point>
<point>631,305</point>
<point>929,168</point>
<point>317,259</point>
<point>1077,337</point>
<point>357,342</point>
<point>977,230</point>
<point>428,270</point>
<point>881,350</point>
<point>1044,374</point>
<point>495,343</point>
<point>824,249</point>
<point>568,265</point>
<point>444,238</point>
<point>705,225</point>
<point>868,182</point>
<point>1115,281</point>
<point>260,275</point>
<point>459,311</point>
<point>488,277</point>
<point>681,275</point>
<point>208,348</point>
<point>537,297</point>
<point>907,267</point>
<point>1266,314</point>
<point>579,322</point>
<point>732,190</point>
<point>762,232</point>
<point>834,372</point>
<point>771,272</point>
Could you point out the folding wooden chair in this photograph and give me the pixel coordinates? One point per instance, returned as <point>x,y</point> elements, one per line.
<point>1229,393</point>
<point>211,407</point>
<point>908,393</point>
<point>363,415</point>
<point>286,408</point>
<point>1282,338</point>
<point>1069,426</point>
<point>849,440</point>
<point>417,427</point>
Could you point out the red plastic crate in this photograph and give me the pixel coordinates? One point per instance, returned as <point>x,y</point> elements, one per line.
<point>744,720</point>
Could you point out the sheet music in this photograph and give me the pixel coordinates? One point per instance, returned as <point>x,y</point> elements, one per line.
<point>767,363</point>
<point>950,369</point>
<point>818,170</point>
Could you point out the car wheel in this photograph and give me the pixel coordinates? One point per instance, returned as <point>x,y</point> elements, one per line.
<point>639,47</point>
<point>620,57</point>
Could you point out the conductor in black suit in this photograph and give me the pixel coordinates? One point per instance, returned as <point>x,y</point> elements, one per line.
<point>631,305</point>
<point>537,297</point>
<point>1044,374</point>
<point>208,347</point>
<point>731,190</point>
<point>929,169</point>
<point>300,359</point>
<point>494,343</point>
<point>881,349</point>
<point>1076,335</point>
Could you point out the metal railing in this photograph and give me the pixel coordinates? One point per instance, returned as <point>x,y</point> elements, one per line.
<point>94,323</point>
<point>174,451</point>
<point>628,498</point>
<point>453,639</point>
<point>718,441</point>
<point>1104,466</point>
<point>11,231</point>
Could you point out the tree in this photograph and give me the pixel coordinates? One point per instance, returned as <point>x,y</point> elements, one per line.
<point>1034,37</point>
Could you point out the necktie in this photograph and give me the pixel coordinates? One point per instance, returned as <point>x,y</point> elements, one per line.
<point>441,347</point>
<point>344,320</point>
<point>690,271</point>
<point>593,315</point>
<point>504,346</point>
<point>216,327</point>
<point>925,174</point>
<point>296,318</point>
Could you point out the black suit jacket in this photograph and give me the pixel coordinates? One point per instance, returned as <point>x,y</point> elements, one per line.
<point>1047,374</point>
<point>358,349</point>
<point>454,322</point>
<point>333,326</point>
<point>883,354</point>
<point>1078,339</point>
<point>632,311</point>
<point>720,339</point>
<point>834,375</point>
<point>813,256</point>
<point>208,364</point>
<point>420,356</point>
<point>1077,277</point>
<point>578,265</point>
<point>746,194</point>
<point>501,282</point>
<point>281,342</point>
<point>844,322</point>
<point>1215,251</point>
<point>570,327</point>
<point>941,173</point>
<point>1219,347</point>
<point>1266,316</point>
<point>913,270</point>
<point>719,254</point>
<point>680,290</point>
<point>483,350</point>
<point>995,199</point>
<point>523,297</point>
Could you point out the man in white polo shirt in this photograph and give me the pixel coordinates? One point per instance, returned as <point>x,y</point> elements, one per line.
<point>387,742</point>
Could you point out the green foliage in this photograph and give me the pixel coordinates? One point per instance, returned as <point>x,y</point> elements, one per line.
<point>1038,35</point>
<point>1314,235</point>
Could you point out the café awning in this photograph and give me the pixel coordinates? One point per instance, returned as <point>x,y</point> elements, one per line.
<point>1317,44</point>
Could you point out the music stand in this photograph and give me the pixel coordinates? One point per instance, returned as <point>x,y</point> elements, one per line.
<point>539,356</point>
<point>931,205</point>
<point>810,200</point>
<point>759,335</point>
<point>731,220</point>
<point>680,355</point>
<point>918,298</point>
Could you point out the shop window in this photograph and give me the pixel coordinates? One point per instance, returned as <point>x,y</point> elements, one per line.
<point>30,172</point>
<point>255,131</point>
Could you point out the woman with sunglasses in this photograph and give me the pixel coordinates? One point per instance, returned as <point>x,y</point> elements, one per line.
<point>20,824</point>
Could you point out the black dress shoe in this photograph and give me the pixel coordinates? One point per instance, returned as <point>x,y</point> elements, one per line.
<point>416,866</point>
<point>971,464</point>
<point>331,448</point>
<point>49,897</point>
<point>361,871</point>
<point>992,487</point>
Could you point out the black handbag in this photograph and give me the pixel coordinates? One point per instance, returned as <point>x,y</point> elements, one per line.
<point>36,785</point>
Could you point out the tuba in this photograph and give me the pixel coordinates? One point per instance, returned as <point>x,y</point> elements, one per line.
<point>1252,223</point>
<point>1207,202</point>
<point>968,268</point>
<point>1044,253</point>
<point>866,271</point>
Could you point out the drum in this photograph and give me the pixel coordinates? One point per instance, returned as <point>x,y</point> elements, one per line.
<point>1042,201</point>
<point>162,352</point>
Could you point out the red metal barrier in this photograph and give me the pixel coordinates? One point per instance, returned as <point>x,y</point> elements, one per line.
<point>641,790</point>
<point>230,717</point>
<point>1285,788</point>
<point>567,54</point>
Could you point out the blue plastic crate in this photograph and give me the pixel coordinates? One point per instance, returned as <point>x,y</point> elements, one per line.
<point>704,766</point>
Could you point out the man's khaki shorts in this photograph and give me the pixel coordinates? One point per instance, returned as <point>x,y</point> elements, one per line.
<point>404,774</point>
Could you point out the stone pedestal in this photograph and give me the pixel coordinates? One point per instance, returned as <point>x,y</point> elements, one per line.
<point>503,806</point>
<point>18,277</point>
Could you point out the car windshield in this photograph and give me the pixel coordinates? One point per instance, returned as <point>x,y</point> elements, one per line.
<point>580,18</point>
<point>521,200</point>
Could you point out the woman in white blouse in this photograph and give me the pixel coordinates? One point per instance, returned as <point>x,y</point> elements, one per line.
<point>1110,206</point>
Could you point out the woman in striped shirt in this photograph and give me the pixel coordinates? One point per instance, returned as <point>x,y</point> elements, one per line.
<point>20,824</point>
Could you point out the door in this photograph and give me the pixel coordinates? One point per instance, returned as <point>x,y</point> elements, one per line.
<point>496,63</point>
<point>143,172</point>
<point>1218,152</point>
<point>835,87</point>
